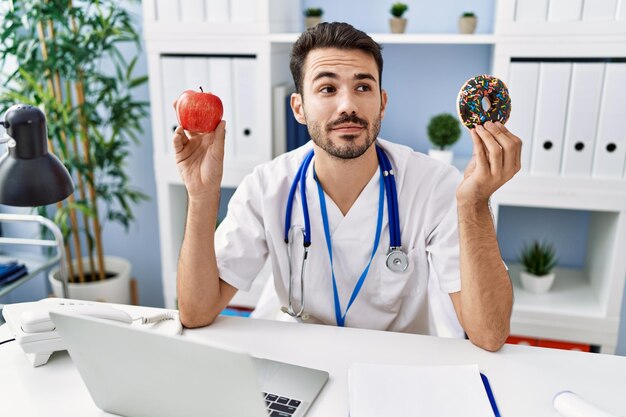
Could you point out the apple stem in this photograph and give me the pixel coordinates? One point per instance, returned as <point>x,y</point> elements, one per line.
<point>201,89</point>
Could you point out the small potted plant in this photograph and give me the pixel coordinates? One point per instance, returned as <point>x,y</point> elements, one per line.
<point>538,259</point>
<point>467,23</point>
<point>312,16</point>
<point>444,130</point>
<point>397,23</point>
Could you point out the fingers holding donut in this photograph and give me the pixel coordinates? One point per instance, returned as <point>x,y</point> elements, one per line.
<point>511,147</point>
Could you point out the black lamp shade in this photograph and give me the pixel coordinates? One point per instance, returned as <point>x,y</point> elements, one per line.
<point>29,174</point>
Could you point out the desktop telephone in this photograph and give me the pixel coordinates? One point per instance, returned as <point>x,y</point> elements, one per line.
<point>34,331</point>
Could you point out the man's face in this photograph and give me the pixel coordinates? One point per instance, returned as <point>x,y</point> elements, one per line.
<point>341,102</point>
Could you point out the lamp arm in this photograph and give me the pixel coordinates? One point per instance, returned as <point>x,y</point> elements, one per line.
<point>56,232</point>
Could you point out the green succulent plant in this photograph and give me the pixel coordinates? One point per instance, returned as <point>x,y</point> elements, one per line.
<point>444,130</point>
<point>538,258</point>
<point>468,14</point>
<point>398,9</point>
<point>313,12</point>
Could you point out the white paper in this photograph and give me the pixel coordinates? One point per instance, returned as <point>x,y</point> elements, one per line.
<point>569,404</point>
<point>442,391</point>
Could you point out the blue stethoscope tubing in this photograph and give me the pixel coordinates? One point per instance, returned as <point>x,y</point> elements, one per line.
<point>397,260</point>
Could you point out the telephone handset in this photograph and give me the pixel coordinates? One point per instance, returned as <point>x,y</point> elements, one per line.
<point>35,332</point>
<point>38,320</point>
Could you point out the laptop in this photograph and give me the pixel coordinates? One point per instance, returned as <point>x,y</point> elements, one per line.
<point>135,372</point>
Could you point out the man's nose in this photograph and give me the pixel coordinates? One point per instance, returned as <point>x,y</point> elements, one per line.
<point>347,104</point>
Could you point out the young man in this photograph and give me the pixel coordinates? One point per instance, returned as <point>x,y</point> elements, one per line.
<point>448,241</point>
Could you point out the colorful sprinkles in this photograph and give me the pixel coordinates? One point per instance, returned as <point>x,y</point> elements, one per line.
<point>474,92</point>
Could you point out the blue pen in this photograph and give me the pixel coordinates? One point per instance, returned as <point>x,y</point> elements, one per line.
<point>492,400</point>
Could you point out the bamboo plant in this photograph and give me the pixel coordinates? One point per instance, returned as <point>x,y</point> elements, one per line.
<point>65,58</point>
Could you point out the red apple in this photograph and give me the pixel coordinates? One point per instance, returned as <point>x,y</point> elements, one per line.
<point>199,112</point>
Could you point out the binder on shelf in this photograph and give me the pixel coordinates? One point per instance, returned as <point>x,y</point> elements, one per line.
<point>552,98</point>
<point>610,153</point>
<point>220,82</point>
<point>582,118</point>
<point>522,84</point>
<point>172,86</point>
<point>599,10</point>
<point>191,11</point>
<point>279,112</point>
<point>245,99</point>
<point>167,11</point>
<point>217,11</point>
<point>565,10</point>
<point>531,10</point>
<point>243,11</point>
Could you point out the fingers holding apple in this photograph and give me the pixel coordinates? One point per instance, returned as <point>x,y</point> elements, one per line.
<point>198,112</point>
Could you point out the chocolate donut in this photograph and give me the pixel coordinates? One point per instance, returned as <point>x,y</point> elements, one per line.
<point>483,98</point>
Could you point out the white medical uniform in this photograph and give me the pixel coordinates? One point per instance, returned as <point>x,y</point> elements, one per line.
<point>414,301</point>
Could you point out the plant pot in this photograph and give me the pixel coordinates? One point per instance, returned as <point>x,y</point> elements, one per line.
<point>443,156</point>
<point>397,24</point>
<point>537,284</point>
<point>115,289</point>
<point>467,25</point>
<point>312,21</point>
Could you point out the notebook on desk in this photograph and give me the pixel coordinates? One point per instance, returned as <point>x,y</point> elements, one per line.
<point>135,372</point>
<point>443,391</point>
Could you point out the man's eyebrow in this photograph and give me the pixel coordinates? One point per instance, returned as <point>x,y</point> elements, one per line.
<point>364,76</point>
<point>325,74</point>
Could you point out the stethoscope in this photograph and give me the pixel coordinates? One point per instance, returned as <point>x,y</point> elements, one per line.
<point>397,260</point>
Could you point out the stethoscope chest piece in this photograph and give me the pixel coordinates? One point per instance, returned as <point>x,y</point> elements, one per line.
<point>397,261</point>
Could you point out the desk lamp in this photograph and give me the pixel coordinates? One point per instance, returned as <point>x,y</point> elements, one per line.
<point>31,176</point>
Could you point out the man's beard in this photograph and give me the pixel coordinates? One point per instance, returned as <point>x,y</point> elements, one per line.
<point>348,150</point>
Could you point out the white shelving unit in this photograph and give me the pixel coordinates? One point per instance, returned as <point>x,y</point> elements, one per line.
<point>187,34</point>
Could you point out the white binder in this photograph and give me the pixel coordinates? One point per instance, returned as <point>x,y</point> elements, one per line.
<point>531,10</point>
<point>192,11</point>
<point>599,10</point>
<point>220,83</point>
<point>243,11</point>
<point>172,86</point>
<point>621,10</point>
<point>610,153</point>
<point>217,11</point>
<point>582,118</point>
<point>245,96</point>
<point>167,11</point>
<point>565,10</point>
<point>552,96</point>
<point>522,84</point>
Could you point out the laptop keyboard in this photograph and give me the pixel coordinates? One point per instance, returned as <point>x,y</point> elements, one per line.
<point>278,406</point>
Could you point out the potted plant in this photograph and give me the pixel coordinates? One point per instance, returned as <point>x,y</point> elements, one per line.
<point>65,59</point>
<point>397,23</point>
<point>538,259</point>
<point>467,23</point>
<point>444,130</point>
<point>312,16</point>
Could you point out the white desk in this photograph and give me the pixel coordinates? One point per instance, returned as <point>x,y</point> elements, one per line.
<point>524,379</point>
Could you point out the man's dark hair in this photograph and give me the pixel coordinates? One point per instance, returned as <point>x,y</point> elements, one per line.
<point>332,35</point>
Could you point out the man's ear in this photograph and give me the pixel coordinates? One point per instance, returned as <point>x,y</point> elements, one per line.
<point>297,108</point>
<point>383,103</point>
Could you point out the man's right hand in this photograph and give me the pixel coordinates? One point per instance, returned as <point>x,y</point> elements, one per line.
<point>200,160</point>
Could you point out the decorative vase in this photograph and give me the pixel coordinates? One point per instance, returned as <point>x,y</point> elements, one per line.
<point>467,24</point>
<point>397,24</point>
<point>441,155</point>
<point>537,284</point>
<point>115,289</point>
<point>312,21</point>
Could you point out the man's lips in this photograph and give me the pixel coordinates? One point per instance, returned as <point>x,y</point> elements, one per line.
<point>348,128</point>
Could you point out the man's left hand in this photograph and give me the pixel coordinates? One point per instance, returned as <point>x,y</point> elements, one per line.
<point>496,159</point>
